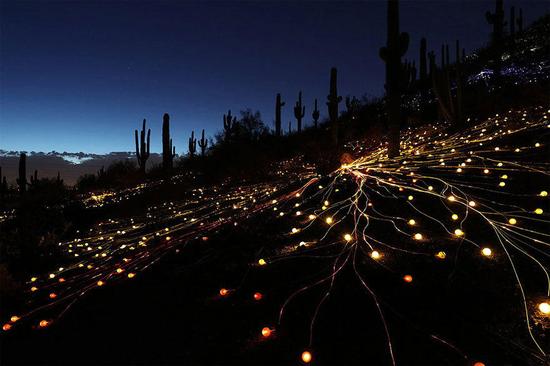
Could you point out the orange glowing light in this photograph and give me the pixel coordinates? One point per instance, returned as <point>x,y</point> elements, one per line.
<point>14,318</point>
<point>224,292</point>
<point>266,332</point>
<point>43,323</point>
<point>6,327</point>
<point>100,283</point>
<point>408,278</point>
<point>258,296</point>
<point>53,295</point>
<point>479,363</point>
<point>306,357</point>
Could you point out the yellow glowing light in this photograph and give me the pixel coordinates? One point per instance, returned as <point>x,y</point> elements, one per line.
<point>311,217</point>
<point>119,270</point>
<point>295,230</point>
<point>486,171</point>
<point>472,203</point>
<point>502,184</point>
<point>100,283</point>
<point>504,176</point>
<point>14,318</point>
<point>375,254</point>
<point>131,275</point>
<point>328,220</point>
<point>544,308</point>
<point>418,236</point>
<point>459,232</point>
<point>326,203</point>
<point>412,222</point>
<point>441,255</point>
<point>33,289</point>
<point>430,188</point>
<point>486,252</point>
<point>266,332</point>
<point>33,279</point>
<point>451,198</point>
<point>454,217</point>
<point>410,198</point>
<point>347,237</point>
<point>539,211</point>
<point>262,262</point>
<point>512,221</point>
<point>306,357</point>
<point>543,194</point>
<point>167,238</point>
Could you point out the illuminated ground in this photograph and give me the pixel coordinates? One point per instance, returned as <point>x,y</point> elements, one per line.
<point>438,257</point>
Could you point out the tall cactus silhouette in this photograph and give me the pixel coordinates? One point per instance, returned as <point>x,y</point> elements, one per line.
<point>168,151</point>
<point>496,19</point>
<point>397,45</point>
<point>228,124</point>
<point>315,114</point>
<point>203,143</point>
<point>332,102</point>
<point>22,180</point>
<point>192,145</point>
<point>278,106</point>
<point>451,107</point>
<point>519,21</point>
<point>34,178</point>
<point>142,147</point>
<point>423,70</point>
<point>299,112</point>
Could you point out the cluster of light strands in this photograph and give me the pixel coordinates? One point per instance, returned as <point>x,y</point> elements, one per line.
<point>485,188</point>
<point>121,249</point>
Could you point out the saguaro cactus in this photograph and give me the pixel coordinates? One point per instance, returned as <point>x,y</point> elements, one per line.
<point>299,112</point>
<point>315,114</point>
<point>519,21</point>
<point>192,145</point>
<point>228,124</point>
<point>142,147</point>
<point>203,143</point>
<point>423,70</point>
<point>34,178</point>
<point>22,180</point>
<point>332,102</point>
<point>168,151</point>
<point>496,19</point>
<point>396,47</point>
<point>278,106</point>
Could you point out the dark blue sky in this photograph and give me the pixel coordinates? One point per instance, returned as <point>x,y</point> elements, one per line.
<point>81,75</point>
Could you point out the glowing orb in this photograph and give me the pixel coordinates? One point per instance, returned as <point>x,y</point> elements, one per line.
<point>100,283</point>
<point>348,237</point>
<point>224,292</point>
<point>119,270</point>
<point>430,188</point>
<point>418,236</point>
<point>328,220</point>
<point>262,262</point>
<point>472,203</point>
<point>441,255</point>
<point>43,323</point>
<point>410,198</point>
<point>6,327</point>
<point>451,198</point>
<point>131,275</point>
<point>167,238</point>
<point>412,222</point>
<point>512,221</point>
<point>539,211</point>
<point>543,194</point>
<point>311,217</point>
<point>14,318</point>
<point>53,295</point>
<point>486,171</point>
<point>33,289</point>
<point>408,278</point>
<point>479,364</point>
<point>459,232</point>
<point>486,252</point>
<point>375,254</point>
<point>258,296</point>
<point>306,357</point>
<point>544,308</point>
<point>502,184</point>
<point>266,332</point>
<point>33,279</point>
<point>454,216</point>
<point>295,230</point>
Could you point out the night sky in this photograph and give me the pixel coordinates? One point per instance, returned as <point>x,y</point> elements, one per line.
<point>80,76</point>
